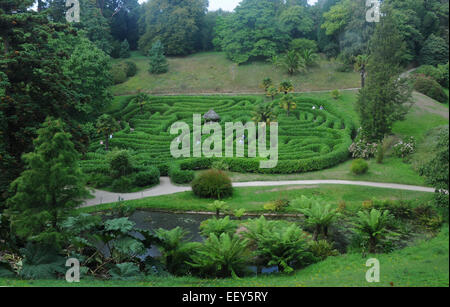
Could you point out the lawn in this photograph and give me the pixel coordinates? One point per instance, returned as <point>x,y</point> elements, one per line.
<point>211,72</point>
<point>425,264</point>
<point>253,198</point>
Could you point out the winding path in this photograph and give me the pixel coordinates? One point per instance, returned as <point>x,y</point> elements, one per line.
<point>167,188</point>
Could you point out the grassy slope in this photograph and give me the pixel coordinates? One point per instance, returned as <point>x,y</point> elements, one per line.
<point>254,198</point>
<point>425,264</point>
<point>212,72</point>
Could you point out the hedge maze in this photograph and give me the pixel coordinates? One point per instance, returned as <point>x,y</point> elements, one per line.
<point>309,139</point>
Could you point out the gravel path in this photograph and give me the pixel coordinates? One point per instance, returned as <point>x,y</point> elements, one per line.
<point>167,188</point>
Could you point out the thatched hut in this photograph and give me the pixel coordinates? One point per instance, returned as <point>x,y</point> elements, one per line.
<point>211,117</point>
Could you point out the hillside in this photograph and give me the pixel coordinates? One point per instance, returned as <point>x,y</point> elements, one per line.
<point>211,72</point>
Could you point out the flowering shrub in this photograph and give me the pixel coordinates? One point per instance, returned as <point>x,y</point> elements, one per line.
<point>361,149</point>
<point>404,148</point>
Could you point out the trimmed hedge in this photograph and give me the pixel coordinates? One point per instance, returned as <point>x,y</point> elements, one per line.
<point>212,184</point>
<point>147,178</point>
<point>179,176</point>
<point>428,86</point>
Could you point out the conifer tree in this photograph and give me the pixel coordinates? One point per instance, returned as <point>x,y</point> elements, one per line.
<point>158,62</point>
<point>49,188</point>
<point>384,98</point>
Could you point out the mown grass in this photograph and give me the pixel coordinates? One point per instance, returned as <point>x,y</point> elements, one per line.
<point>425,264</point>
<point>211,72</point>
<point>253,198</point>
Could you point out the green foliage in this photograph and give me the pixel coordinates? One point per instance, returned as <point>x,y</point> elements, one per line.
<point>264,113</point>
<point>322,249</point>
<point>176,24</point>
<point>372,226</point>
<point>147,178</point>
<point>301,44</point>
<point>120,243</point>
<point>120,163</point>
<point>212,184</point>
<point>158,62</point>
<point>218,206</point>
<point>359,167</point>
<point>286,87</point>
<point>49,189</point>
<point>118,73</point>
<point>326,135</point>
<point>335,94</point>
<point>383,100</point>
<point>277,205</point>
<point>122,184</point>
<point>254,30</point>
<point>180,176</point>
<point>124,49</point>
<point>175,249</point>
<point>96,25</point>
<point>41,262</point>
<point>218,227</point>
<point>292,62</point>
<point>437,169</point>
<point>279,243</point>
<point>434,51</point>
<point>221,257</point>
<point>106,125</point>
<point>320,217</point>
<point>266,83</point>
<point>287,102</point>
<point>131,68</point>
<point>125,272</point>
<point>430,87</point>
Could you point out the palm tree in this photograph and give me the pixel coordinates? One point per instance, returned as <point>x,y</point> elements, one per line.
<point>106,126</point>
<point>291,61</point>
<point>288,103</point>
<point>263,113</point>
<point>309,57</point>
<point>141,99</point>
<point>320,217</point>
<point>271,91</point>
<point>218,206</point>
<point>267,82</point>
<point>286,86</point>
<point>373,225</point>
<point>361,62</point>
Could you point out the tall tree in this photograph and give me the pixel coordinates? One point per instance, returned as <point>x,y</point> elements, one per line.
<point>384,98</point>
<point>176,23</point>
<point>49,189</point>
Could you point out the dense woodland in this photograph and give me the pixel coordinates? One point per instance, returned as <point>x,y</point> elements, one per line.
<point>55,81</point>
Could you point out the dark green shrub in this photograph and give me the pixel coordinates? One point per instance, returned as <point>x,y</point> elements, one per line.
<point>147,178</point>
<point>218,226</point>
<point>158,62</point>
<point>400,209</point>
<point>118,73</point>
<point>124,49</point>
<point>120,163</point>
<point>434,51</point>
<point>322,249</point>
<point>221,257</point>
<point>98,180</point>
<point>180,176</point>
<point>122,184</point>
<point>430,87</point>
<point>359,167</point>
<point>131,68</point>
<point>212,184</point>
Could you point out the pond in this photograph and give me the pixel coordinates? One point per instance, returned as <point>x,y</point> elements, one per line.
<point>149,220</point>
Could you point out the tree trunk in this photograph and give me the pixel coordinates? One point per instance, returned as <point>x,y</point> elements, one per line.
<point>372,245</point>
<point>316,233</point>
<point>107,143</point>
<point>363,77</point>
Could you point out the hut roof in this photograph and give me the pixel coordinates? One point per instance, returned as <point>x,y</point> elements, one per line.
<point>211,115</point>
